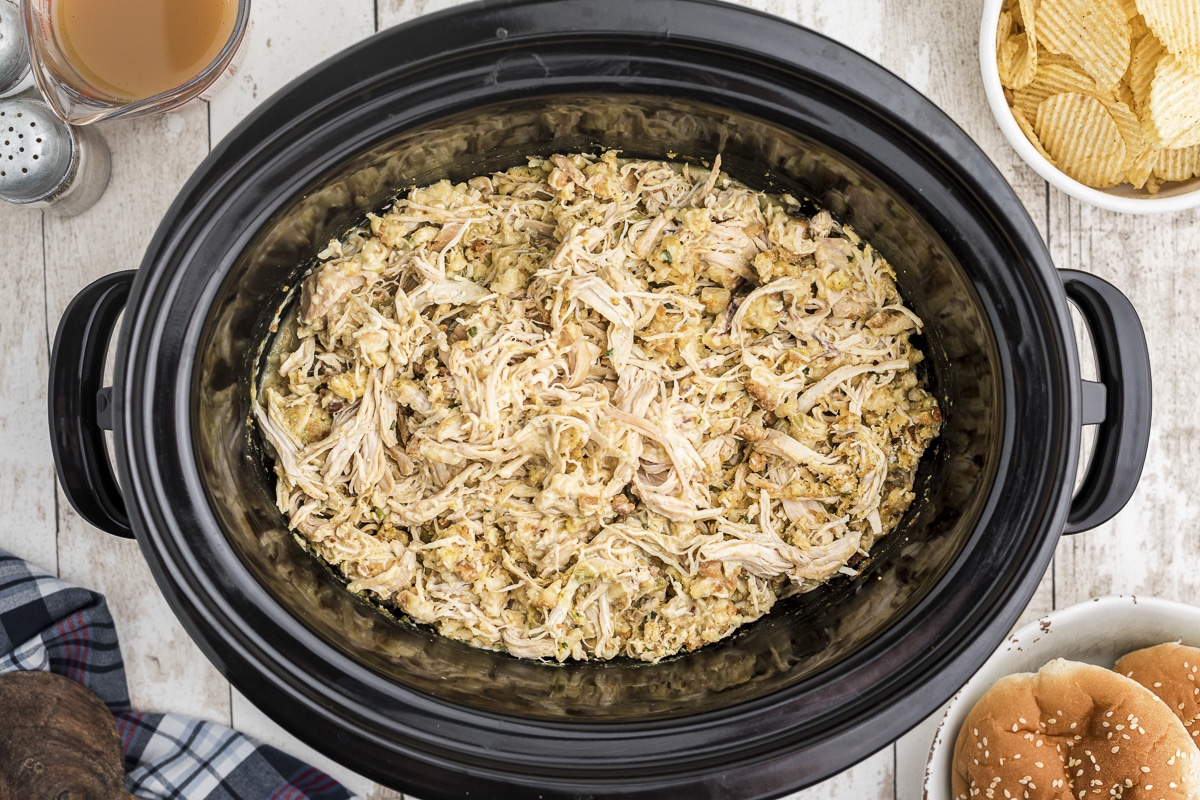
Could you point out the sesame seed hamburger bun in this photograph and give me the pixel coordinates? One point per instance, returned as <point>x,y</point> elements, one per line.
<point>1073,731</point>
<point>1171,671</point>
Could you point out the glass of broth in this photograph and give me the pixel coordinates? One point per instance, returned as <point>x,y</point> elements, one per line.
<point>108,59</point>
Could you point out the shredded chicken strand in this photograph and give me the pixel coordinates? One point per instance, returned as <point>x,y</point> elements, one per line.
<point>594,407</point>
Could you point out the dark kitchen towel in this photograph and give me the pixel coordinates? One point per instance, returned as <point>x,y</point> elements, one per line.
<point>49,625</point>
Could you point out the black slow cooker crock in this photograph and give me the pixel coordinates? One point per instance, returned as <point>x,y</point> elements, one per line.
<point>823,681</point>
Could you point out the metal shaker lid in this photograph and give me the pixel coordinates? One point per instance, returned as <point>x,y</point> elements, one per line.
<point>14,55</point>
<point>37,150</point>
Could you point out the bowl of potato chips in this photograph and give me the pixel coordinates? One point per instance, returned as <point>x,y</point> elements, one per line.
<point>1100,97</point>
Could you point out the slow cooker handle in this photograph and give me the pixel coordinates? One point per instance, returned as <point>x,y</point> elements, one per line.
<point>1123,361</point>
<point>79,405</point>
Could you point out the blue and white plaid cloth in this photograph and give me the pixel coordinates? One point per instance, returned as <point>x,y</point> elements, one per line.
<point>49,625</point>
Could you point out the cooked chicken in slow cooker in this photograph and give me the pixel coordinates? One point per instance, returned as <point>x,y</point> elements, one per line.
<point>594,407</point>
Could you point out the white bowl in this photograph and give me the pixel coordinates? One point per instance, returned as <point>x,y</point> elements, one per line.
<point>1098,631</point>
<point>1170,198</point>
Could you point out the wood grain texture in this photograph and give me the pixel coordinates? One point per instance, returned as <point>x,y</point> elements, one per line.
<point>1148,547</point>
<point>393,12</point>
<point>27,483</point>
<point>873,778</point>
<point>286,38</point>
<point>152,157</point>
<point>932,44</point>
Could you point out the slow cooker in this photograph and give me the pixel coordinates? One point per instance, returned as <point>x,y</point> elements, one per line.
<point>823,681</point>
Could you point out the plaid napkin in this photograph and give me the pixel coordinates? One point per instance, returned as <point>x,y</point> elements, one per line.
<point>49,625</point>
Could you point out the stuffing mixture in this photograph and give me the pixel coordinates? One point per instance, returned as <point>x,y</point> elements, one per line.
<point>594,407</point>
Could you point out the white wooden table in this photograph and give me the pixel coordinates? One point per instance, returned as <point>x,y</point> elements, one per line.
<point>1151,548</point>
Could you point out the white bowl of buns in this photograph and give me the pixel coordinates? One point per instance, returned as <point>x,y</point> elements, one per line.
<point>1100,97</point>
<point>1101,699</point>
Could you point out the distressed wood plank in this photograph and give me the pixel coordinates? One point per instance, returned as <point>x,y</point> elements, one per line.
<point>945,68</point>
<point>393,12</point>
<point>152,157</point>
<point>1150,259</point>
<point>27,501</point>
<point>286,38</point>
<point>873,777</point>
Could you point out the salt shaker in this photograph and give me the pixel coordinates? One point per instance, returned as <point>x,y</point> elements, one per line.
<point>46,163</point>
<point>15,74</point>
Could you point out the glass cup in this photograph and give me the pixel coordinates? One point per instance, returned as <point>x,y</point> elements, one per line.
<point>80,96</point>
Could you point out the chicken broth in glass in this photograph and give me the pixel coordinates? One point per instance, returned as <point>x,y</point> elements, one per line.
<point>134,49</point>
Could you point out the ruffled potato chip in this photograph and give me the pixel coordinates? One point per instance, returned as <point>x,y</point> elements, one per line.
<point>1176,23</point>
<point>1142,169</point>
<point>1027,58</point>
<point>1006,48</point>
<point>1024,63</point>
<point>1137,28</point>
<point>1016,52</point>
<point>1082,139</point>
<point>1095,33</point>
<point>1056,75</point>
<point>1094,56</point>
<point>1125,95</point>
<point>1172,112</point>
<point>1131,130</point>
<point>1178,164</point>
<point>1146,54</point>
<point>1027,128</point>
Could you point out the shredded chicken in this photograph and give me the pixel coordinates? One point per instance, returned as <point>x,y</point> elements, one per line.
<point>590,407</point>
